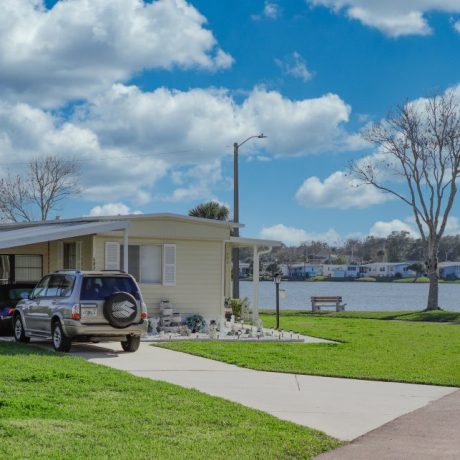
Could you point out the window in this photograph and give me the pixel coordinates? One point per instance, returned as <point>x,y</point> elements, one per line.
<point>60,286</point>
<point>382,269</point>
<point>40,289</point>
<point>70,256</point>
<point>100,287</point>
<point>150,264</point>
<point>27,268</point>
<point>144,262</point>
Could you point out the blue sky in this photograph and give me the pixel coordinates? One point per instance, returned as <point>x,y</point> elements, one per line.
<point>150,96</point>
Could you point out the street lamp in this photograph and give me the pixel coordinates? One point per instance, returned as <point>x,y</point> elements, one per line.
<point>277,281</point>
<point>236,214</point>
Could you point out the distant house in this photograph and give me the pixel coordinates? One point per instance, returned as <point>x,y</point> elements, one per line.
<point>341,271</point>
<point>245,269</point>
<point>302,270</point>
<point>449,270</point>
<point>388,269</point>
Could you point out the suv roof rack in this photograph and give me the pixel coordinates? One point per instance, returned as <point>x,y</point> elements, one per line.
<point>118,271</point>
<point>73,270</point>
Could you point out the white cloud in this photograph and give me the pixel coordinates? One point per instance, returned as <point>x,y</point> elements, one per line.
<point>79,47</point>
<point>107,172</point>
<point>383,229</point>
<point>292,236</point>
<point>112,209</point>
<point>127,139</point>
<point>198,125</point>
<point>456,26</point>
<point>338,191</point>
<point>295,66</point>
<point>271,11</point>
<point>392,17</point>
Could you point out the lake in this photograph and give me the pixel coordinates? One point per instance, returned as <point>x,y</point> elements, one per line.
<point>357,295</point>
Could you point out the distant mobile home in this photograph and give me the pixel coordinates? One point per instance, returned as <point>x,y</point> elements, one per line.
<point>449,270</point>
<point>388,269</point>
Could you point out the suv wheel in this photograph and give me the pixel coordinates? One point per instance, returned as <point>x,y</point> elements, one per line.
<point>19,334</point>
<point>131,343</point>
<point>60,341</point>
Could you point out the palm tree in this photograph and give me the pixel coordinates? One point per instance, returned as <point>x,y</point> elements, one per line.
<point>210,210</point>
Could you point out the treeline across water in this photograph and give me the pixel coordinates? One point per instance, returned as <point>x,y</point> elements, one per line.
<point>396,247</point>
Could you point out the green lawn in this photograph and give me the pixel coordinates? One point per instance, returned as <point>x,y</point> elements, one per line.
<point>54,406</point>
<point>435,316</point>
<point>405,351</point>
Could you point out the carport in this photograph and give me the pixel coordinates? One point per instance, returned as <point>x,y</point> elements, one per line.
<point>34,239</point>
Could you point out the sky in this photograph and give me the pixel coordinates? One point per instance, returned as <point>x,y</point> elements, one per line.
<point>149,97</point>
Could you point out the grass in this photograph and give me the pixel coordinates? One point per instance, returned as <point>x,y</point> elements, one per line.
<point>318,278</point>
<point>403,351</point>
<point>435,316</point>
<point>54,406</point>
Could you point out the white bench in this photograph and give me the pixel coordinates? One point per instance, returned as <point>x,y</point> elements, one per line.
<point>318,302</point>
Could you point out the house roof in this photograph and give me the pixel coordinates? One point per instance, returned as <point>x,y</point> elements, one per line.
<point>127,217</point>
<point>448,264</point>
<point>12,237</point>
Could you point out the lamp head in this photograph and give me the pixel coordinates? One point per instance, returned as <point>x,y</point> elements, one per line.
<point>262,136</point>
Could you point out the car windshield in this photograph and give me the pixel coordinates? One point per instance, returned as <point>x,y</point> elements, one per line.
<point>101,287</point>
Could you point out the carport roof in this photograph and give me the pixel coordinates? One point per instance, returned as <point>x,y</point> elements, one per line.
<point>41,233</point>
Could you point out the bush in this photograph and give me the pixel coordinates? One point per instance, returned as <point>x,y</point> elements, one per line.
<point>196,323</point>
<point>240,308</point>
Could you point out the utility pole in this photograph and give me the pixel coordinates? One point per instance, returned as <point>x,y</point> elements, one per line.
<point>236,220</point>
<point>236,216</point>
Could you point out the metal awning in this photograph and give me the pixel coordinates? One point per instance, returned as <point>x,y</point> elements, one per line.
<point>52,232</point>
<point>239,242</point>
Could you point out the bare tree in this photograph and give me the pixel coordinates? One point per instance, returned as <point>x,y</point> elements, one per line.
<point>418,162</point>
<point>36,193</point>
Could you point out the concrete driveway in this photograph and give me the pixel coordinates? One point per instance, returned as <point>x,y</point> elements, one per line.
<point>343,408</point>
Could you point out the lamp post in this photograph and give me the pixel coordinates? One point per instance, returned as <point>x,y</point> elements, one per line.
<point>236,214</point>
<point>277,281</point>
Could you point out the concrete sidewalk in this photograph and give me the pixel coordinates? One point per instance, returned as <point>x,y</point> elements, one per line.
<point>343,408</point>
<point>431,432</point>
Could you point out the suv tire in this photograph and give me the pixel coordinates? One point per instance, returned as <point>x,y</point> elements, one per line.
<point>18,330</point>
<point>60,341</point>
<point>120,309</point>
<point>131,344</point>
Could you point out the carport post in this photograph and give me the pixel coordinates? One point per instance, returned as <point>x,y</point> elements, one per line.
<point>125,250</point>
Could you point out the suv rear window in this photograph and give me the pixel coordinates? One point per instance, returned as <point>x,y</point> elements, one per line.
<point>100,287</point>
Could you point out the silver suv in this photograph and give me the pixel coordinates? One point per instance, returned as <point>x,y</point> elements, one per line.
<point>83,306</point>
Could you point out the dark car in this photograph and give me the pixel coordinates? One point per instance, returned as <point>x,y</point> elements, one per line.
<point>10,295</point>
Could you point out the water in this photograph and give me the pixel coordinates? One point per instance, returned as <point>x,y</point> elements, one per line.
<point>357,295</point>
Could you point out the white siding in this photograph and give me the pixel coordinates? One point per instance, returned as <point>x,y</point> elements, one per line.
<point>198,287</point>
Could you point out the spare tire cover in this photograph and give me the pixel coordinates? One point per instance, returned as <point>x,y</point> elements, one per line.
<point>120,309</point>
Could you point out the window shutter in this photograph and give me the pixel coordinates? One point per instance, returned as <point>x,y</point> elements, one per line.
<point>78,255</point>
<point>59,255</point>
<point>112,255</point>
<point>169,264</point>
